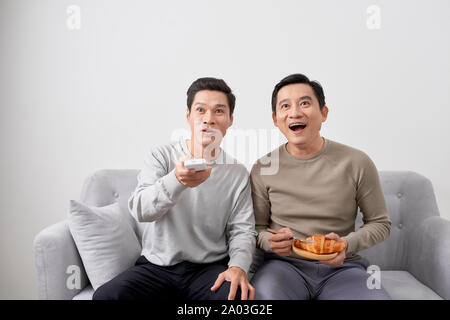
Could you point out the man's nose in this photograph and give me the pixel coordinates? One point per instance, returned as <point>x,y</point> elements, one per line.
<point>208,117</point>
<point>296,112</point>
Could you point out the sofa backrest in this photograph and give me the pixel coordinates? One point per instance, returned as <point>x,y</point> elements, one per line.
<point>410,200</point>
<point>106,186</point>
<point>409,196</point>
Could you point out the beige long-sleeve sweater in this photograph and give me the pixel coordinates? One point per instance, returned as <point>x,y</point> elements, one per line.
<point>321,194</point>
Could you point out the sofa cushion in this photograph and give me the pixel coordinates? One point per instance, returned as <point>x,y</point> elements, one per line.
<point>401,285</point>
<point>105,240</point>
<point>106,186</point>
<point>85,294</point>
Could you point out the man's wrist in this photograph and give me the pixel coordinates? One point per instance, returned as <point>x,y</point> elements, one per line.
<point>236,267</point>
<point>346,243</point>
<point>350,241</point>
<point>172,185</point>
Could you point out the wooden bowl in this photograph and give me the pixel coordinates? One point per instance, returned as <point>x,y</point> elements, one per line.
<point>313,256</point>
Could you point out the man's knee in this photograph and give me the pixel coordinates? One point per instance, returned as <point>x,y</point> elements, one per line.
<point>103,293</point>
<point>270,291</point>
<point>277,280</point>
<point>112,290</point>
<point>223,292</point>
<point>351,284</point>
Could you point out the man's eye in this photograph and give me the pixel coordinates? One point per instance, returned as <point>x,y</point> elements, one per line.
<point>219,110</point>
<point>283,106</point>
<point>305,103</point>
<point>200,109</point>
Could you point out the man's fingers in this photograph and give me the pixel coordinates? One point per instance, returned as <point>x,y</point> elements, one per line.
<point>280,244</point>
<point>332,236</point>
<point>333,262</point>
<point>202,175</point>
<point>244,291</point>
<point>336,261</point>
<point>286,250</point>
<point>285,230</point>
<point>329,262</point>
<point>185,173</point>
<point>192,179</point>
<point>281,231</point>
<point>283,252</point>
<point>198,175</point>
<point>220,279</point>
<point>237,278</point>
<point>233,288</point>
<point>181,162</point>
<point>252,292</point>
<point>280,237</point>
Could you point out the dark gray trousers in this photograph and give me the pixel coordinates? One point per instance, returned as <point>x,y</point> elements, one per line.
<point>183,281</point>
<point>286,278</point>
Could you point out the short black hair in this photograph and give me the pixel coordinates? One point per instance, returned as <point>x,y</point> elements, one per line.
<point>298,78</point>
<point>209,83</point>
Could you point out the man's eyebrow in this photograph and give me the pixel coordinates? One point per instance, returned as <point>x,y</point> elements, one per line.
<point>284,100</point>
<point>219,105</point>
<point>301,98</point>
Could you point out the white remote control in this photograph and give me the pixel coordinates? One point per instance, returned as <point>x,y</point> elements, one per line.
<point>197,164</point>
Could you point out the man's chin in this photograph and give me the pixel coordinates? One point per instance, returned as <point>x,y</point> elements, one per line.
<point>297,141</point>
<point>206,141</point>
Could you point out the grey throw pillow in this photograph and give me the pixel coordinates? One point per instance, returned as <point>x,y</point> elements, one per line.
<point>105,240</point>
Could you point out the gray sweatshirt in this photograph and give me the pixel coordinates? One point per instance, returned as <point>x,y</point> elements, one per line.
<point>202,224</point>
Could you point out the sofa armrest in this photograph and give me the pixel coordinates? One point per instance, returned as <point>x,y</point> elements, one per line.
<point>60,271</point>
<point>428,254</point>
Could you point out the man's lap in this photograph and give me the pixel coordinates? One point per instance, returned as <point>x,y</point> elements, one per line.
<point>146,280</point>
<point>290,278</point>
<point>280,280</point>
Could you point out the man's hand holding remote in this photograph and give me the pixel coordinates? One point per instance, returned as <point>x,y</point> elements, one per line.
<point>190,177</point>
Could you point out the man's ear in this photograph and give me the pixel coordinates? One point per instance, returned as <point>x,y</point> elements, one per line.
<point>274,118</point>
<point>187,114</point>
<point>324,112</point>
<point>231,120</point>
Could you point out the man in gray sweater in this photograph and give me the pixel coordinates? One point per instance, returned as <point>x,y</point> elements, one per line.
<point>199,230</point>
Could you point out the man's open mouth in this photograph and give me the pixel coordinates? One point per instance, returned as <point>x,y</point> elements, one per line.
<point>297,127</point>
<point>209,131</point>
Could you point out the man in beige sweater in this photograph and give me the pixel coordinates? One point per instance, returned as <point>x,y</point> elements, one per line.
<point>317,188</point>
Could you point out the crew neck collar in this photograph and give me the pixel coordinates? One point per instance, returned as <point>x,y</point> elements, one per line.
<point>317,155</point>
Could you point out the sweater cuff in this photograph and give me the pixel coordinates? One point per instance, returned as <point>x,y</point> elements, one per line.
<point>241,262</point>
<point>352,243</point>
<point>172,186</point>
<point>263,241</point>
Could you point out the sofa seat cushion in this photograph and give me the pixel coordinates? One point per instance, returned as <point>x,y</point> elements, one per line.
<point>402,285</point>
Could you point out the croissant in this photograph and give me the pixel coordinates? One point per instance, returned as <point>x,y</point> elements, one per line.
<point>320,245</point>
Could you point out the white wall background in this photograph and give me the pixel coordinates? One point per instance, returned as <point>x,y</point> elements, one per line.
<point>76,101</point>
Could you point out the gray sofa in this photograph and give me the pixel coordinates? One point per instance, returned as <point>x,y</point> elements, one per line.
<point>414,260</point>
